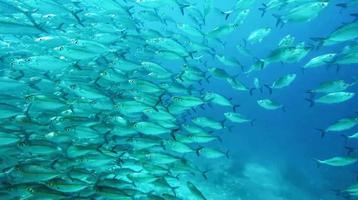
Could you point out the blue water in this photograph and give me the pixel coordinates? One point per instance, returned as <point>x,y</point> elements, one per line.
<point>286,143</point>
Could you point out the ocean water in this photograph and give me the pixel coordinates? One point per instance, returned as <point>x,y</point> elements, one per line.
<point>272,158</point>
<point>275,158</point>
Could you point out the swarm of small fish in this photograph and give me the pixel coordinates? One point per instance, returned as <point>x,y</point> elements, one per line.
<point>93,105</point>
<point>88,110</point>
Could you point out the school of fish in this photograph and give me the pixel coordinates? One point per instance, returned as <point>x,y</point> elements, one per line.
<point>101,99</point>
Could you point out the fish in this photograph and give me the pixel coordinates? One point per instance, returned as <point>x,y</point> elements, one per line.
<point>222,30</point>
<point>107,99</point>
<point>195,191</point>
<point>343,33</point>
<point>208,122</point>
<point>332,98</point>
<point>218,99</point>
<point>302,13</point>
<point>211,153</point>
<point>332,86</point>
<point>237,117</point>
<point>270,104</point>
<point>320,60</point>
<point>258,35</point>
<point>282,82</point>
<point>338,161</point>
<point>340,125</point>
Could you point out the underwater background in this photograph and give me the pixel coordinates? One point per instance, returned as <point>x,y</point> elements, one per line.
<point>274,159</point>
<point>271,156</point>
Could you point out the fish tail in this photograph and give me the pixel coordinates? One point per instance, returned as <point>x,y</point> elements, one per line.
<point>235,107</point>
<point>310,101</point>
<point>323,132</point>
<point>251,91</point>
<point>269,88</point>
<point>341,5</point>
<point>197,151</point>
<point>319,41</point>
<point>75,15</point>
<point>204,173</point>
<point>172,133</point>
<point>252,122</point>
<point>261,89</point>
<point>278,20</point>
<point>219,138</point>
<point>355,15</point>
<point>349,149</point>
<point>303,70</point>
<point>229,128</point>
<point>227,15</point>
<point>207,78</point>
<point>227,154</point>
<point>182,7</point>
<point>345,138</point>
<point>263,9</point>
<point>318,162</point>
<point>223,122</point>
<point>28,14</point>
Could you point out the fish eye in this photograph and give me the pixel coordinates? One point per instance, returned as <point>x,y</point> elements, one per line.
<point>104,73</point>
<point>28,59</point>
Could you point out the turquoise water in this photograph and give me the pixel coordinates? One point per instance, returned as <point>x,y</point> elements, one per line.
<point>97,97</point>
